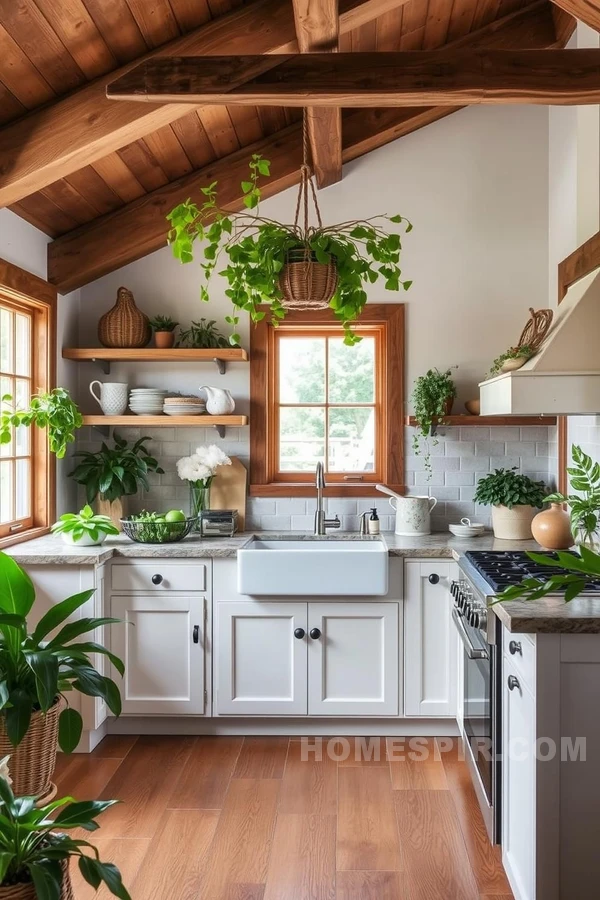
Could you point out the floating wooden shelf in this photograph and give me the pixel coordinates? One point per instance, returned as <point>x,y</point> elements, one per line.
<point>103,423</point>
<point>105,355</point>
<point>490,420</point>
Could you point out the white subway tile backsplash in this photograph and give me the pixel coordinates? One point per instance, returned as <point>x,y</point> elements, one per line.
<point>460,448</point>
<point>275,523</point>
<point>478,464</point>
<point>505,433</point>
<point>302,523</point>
<point>435,479</point>
<point>534,433</point>
<point>476,434</point>
<point>458,479</point>
<point>286,507</point>
<point>447,493</point>
<point>490,448</point>
<point>520,448</point>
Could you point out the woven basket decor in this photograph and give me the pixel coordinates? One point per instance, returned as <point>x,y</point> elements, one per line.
<point>307,284</point>
<point>124,325</point>
<point>32,763</point>
<point>27,891</point>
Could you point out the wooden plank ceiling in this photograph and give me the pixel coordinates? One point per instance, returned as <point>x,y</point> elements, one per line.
<point>51,49</point>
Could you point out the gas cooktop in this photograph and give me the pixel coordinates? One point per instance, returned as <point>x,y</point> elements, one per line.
<point>502,568</point>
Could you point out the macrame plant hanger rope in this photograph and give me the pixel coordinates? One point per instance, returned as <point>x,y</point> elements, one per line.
<point>304,282</point>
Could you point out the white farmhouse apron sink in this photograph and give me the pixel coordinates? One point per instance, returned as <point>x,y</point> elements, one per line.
<point>327,567</point>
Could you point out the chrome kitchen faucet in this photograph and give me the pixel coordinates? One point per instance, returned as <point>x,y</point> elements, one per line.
<point>321,522</point>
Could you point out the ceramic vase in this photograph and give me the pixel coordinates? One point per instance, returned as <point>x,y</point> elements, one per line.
<point>512,524</point>
<point>551,528</point>
<point>114,509</point>
<point>199,501</point>
<point>124,325</point>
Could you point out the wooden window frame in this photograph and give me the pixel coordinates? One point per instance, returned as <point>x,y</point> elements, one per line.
<point>387,321</point>
<point>22,289</point>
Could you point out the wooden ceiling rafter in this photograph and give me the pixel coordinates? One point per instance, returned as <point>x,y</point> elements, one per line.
<point>317,29</point>
<point>83,127</point>
<point>107,243</point>
<point>587,11</point>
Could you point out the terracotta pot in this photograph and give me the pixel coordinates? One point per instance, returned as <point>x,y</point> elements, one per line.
<point>551,528</point>
<point>164,339</point>
<point>32,763</point>
<point>114,509</point>
<point>512,524</point>
<point>27,891</point>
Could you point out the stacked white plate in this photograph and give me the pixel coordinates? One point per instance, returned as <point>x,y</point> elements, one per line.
<point>184,406</point>
<point>467,528</point>
<point>146,401</point>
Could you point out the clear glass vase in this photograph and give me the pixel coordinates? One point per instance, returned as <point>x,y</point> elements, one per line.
<point>199,500</point>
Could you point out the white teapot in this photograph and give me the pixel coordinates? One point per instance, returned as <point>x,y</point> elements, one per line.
<point>219,402</point>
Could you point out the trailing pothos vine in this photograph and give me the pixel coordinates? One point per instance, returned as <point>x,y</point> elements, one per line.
<point>256,250</point>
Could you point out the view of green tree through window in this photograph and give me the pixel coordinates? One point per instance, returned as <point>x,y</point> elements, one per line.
<point>327,404</point>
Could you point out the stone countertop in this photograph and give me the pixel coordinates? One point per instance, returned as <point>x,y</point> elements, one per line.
<point>551,615</point>
<point>51,550</point>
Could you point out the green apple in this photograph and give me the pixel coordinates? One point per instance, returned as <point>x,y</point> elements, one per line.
<point>175,515</point>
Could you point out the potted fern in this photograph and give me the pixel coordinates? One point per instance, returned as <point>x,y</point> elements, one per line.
<point>283,265</point>
<point>35,850</point>
<point>37,671</point>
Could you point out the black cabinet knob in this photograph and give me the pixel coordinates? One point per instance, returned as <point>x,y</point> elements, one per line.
<point>515,647</point>
<point>315,634</point>
<point>299,633</point>
<point>196,634</point>
<point>157,579</point>
<point>513,682</point>
<point>433,579</point>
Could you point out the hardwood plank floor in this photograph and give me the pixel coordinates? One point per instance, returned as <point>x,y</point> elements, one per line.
<point>251,819</point>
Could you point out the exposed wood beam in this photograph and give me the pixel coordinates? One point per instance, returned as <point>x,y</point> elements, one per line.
<point>587,11</point>
<point>317,30</point>
<point>437,77</point>
<point>119,238</point>
<point>62,138</point>
<point>564,24</point>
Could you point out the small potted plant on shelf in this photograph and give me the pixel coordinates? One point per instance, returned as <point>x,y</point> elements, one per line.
<point>200,469</point>
<point>112,473</point>
<point>584,507</point>
<point>203,335</point>
<point>432,397</point>
<point>84,529</point>
<point>514,499</point>
<point>54,411</point>
<point>37,671</point>
<point>511,359</point>
<point>164,331</point>
<point>35,851</point>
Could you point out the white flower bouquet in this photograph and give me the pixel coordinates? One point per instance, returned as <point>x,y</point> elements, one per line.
<point>200,469</point>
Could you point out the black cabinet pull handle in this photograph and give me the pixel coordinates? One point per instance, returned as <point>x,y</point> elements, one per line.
<point>433,579</point>
<point>299,633</point>
<point>196,634</point>
<point>513,682</point>
<point>157,579</point>
<point>315,634</point>
<point>515,647</point>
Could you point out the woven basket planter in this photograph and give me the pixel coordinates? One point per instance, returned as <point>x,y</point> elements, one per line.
<point>306,283</point>
<point>27,891</point>
<point>32,763</point>
<point>124,325</point>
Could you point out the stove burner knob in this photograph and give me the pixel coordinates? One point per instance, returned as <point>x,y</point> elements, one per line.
<point>454,589</point>
<point>482,619</point>
<point>474,620</point>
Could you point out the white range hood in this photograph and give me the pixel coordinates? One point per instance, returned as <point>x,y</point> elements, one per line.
<point>564,377</point>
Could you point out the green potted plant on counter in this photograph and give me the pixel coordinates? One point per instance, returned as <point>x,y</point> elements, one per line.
<point>432,397</point>
<point>164,331</point>
<point>54,411</point>
<point>584,507</point>
<point>112,473</point>
<point>35,850</point>
<point>37,671</point>
<point>514,499</point>
<point>84,529</point>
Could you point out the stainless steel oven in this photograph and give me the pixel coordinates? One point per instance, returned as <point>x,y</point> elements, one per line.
<point>481,695</point>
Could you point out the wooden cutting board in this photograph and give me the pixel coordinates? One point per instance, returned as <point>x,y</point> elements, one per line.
<point>229,489</point>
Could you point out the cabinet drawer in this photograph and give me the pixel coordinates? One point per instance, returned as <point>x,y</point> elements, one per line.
<point>158,575</point>
<point>519,650</point>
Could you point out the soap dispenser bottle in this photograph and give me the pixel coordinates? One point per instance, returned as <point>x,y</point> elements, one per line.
<point>374,522</point>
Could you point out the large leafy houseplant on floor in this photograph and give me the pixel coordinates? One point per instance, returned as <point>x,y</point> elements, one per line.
<point>267,261</point>
<point>37,671</point>
<point>35,851</point>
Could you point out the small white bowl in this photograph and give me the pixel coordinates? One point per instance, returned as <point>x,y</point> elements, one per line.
<point>474,530</point>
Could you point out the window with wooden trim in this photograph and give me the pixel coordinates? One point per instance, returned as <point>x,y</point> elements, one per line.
<point>314,399</point>
<point>26,363</point>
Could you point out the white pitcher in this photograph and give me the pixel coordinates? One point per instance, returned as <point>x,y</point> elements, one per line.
<point>413,514</point>
<point>112,397</point>
<point>219,402</point>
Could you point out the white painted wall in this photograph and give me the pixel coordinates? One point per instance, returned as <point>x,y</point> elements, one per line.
<point>25,246</point>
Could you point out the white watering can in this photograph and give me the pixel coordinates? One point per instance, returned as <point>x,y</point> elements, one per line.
<point>413,514</point>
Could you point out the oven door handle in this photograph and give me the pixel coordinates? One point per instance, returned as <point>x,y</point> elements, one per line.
<point>471,651</point>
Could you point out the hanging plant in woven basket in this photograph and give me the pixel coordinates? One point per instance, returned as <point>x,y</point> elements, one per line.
<point>303,265</point>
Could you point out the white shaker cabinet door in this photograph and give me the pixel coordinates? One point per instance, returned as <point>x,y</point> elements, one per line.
<point>161,643</point>
<point>430,640</point>
<point>261,658</point>
<point>353,651</point>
